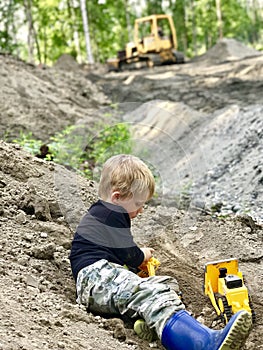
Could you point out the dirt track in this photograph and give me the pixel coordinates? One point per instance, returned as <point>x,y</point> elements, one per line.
<point>41,202</point>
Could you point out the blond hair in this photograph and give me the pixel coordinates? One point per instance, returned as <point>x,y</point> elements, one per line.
<point>127,174</point>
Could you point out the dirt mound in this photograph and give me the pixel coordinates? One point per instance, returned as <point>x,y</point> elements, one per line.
<point>198,125</point>
<point>221,166</point>
<point>44,101</point>
<point>205,88</point>
<point>226,50</point>
<point>40,204</point>
<point>67,62</point>
<point>37,290</point>
<point>248,71</point>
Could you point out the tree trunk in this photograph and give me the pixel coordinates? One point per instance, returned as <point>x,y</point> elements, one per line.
<point>86,31</point>
<point>32,35</point>
<point>128,21</point>
<point>185,19</point>
<point>45,45</point>
<point>219,19</point>
<point>30,44</point>
<point>209,6</point>
<point>72,14</point>
<point>194,34</point>
<point>8,22</point>
<point>256,20</point>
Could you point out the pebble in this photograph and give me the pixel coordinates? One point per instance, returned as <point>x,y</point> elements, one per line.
<point>43,235</point>
<point>61,345</point>
<point>32,281</point>
<point>21,218</point>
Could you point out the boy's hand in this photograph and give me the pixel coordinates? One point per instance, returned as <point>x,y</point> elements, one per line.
<point>147,253</point>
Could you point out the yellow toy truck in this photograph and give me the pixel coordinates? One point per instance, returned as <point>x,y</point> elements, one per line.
<point>224,285</point>
<point>148,269</point>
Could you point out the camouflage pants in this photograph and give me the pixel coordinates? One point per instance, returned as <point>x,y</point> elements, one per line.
<point>110,288</point>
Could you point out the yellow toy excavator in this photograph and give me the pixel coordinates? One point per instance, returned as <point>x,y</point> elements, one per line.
<point>148,269</point>
<point>224,285</point>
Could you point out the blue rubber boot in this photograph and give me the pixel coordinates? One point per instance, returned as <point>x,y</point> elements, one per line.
<point>183,332</point>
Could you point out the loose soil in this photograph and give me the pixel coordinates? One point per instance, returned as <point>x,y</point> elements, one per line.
<point>198,125</point>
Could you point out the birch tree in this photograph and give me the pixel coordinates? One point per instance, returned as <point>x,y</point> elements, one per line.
<point>219,19</point>
<point>128,21</point>
<point>194,27</point>
<point>32,38</point>
<point>72,14</point>
<point>86,31</point>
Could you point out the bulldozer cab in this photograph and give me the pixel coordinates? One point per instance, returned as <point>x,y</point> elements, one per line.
<point>154,33</point>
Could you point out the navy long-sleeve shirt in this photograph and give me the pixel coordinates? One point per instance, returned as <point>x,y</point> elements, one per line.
<point>104,233</point>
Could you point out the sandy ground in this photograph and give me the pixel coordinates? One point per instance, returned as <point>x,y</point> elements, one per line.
<point>202,133</point>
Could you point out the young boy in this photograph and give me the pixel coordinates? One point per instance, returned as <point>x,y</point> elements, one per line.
<point>105,260</point>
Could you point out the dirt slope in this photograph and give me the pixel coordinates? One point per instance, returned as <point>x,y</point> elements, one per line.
<point>44,101</point>
<point>40,205</point>
<point>200,127</point>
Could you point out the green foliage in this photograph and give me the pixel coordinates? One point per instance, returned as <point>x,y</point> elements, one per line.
<point>108,141</point>
<point>8,30</point>
<point>232,11</point>
<point>27,141</point>
<point>185,195</point>
<point>197,26</point>
<point>75,150</point>
<point>57,28</point>
<point>153,7</point>
<point>179,17</point>
<point>66,147</point>
<point>108,27</point>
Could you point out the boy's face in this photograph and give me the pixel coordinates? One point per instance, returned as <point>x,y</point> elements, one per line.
<point>134,205</point>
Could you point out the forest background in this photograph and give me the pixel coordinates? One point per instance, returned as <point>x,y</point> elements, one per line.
<point>40,31</point>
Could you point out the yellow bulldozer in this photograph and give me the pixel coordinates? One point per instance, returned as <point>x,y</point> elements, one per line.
<point>224,285</point>
<point>154,43</point>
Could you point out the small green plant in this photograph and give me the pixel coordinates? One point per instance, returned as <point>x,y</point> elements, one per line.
<point>66,147</point>
<point>183,196</point>
<point>111,139</point>
<point>27,141</point>
<point>74,149</point>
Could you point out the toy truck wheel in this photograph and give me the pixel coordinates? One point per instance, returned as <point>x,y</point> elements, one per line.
<point>252,309</point>
<point>225,308</point>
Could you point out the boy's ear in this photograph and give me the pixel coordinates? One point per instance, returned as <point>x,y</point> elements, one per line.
<point>115,196</point>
